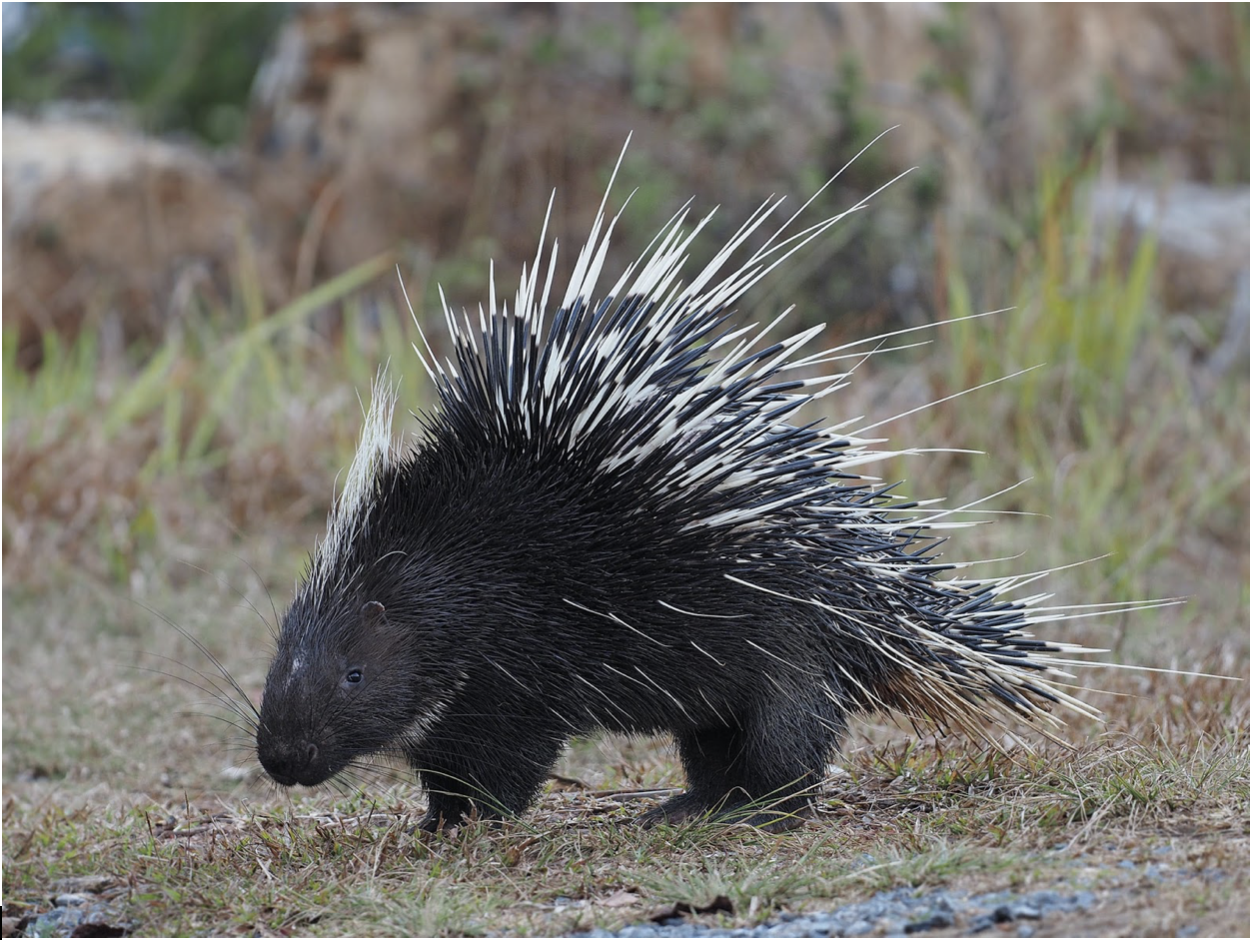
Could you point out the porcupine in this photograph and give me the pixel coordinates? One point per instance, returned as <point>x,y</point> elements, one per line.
<point>615,521</point>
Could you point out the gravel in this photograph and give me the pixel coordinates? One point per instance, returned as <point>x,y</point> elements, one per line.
<point>898,912</point>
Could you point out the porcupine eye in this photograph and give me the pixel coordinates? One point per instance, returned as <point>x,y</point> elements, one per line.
<point>371,615</point>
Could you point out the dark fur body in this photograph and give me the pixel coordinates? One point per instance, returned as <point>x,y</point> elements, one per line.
<point>476,565</point>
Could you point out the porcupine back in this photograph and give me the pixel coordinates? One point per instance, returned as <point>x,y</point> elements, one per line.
<point>615,520</point>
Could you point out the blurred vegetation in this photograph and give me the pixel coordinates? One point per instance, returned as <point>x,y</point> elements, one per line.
<point>1100,402</point>
<point>181,67</point>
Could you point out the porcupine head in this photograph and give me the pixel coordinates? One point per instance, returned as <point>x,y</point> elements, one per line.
<point>612,522</point>
<point>364,658</point>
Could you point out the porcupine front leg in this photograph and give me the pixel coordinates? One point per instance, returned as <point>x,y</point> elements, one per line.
<point>760,772</point>
<point>487,771</point>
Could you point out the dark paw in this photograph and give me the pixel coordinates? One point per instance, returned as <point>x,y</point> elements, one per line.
<point>767,820</point>
<point>783,817</point>
<point>675,811</point>
<point>444,816</point>
<point>437,823</point>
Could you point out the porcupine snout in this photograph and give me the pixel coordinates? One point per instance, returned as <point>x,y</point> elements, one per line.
<point>288,744</point>
<point>289,762</point>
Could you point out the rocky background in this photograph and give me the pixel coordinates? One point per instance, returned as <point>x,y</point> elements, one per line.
<point>437,132</point>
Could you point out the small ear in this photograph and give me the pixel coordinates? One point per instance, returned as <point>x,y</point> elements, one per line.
<point>372,610</point>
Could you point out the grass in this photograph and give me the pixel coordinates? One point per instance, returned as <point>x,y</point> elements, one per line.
<point>184,485</point>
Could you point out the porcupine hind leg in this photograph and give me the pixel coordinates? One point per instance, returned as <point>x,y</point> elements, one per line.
<point>761,772</point>
<point>488,773</point>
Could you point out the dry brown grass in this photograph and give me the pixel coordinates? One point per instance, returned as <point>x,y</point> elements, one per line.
<point>123,790</point>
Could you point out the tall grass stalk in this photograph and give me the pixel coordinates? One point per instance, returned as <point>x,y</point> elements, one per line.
<point>1106,421</point>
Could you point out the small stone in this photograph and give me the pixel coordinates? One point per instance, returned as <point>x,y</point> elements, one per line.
<point>936,921</point>
<point>71,900</point>
<point>56,923</point>
<point>981,922</point>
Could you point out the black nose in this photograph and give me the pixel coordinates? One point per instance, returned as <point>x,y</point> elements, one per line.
<point>289,762</point>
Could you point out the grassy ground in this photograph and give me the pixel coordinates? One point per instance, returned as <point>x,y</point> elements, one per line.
<point>185,485</point>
